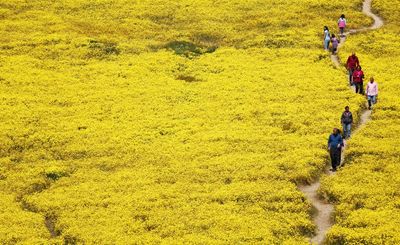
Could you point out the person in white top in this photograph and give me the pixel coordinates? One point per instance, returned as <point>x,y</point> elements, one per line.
<point>327,38</point>
<point>371,92</point>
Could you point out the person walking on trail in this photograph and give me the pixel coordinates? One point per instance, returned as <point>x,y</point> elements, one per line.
<point>327,38</point>
<point>342,24</point>
<point>335,144</point>
<point>358,79</point>
<point>335,44</point>
<point>346,121</point>
<point>371,92</point>
<point>351,65</point>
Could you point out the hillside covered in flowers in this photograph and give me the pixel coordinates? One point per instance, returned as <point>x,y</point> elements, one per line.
<point>188,122</point>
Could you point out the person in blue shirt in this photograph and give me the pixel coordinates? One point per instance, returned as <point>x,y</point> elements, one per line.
<point>335,144</point>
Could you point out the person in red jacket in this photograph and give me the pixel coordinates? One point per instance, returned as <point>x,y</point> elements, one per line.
<point>358,79</point>
<point>351,65</point>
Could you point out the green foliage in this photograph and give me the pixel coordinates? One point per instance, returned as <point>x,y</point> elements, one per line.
<point>188,49</point>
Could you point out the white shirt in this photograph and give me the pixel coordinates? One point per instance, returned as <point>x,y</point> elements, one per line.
<point>372,89</point>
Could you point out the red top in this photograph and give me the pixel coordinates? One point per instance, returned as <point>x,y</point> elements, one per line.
<point>352,62</point>
<point>358,76</point>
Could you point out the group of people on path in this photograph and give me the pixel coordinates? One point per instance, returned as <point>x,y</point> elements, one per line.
<point>331,38</point>
<point>336,140</point>
<point>356,79</point>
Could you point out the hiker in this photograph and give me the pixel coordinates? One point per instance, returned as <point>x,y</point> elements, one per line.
<point>371,92</point>
<point>335,144</point>
<point>335,44</point>
<point>351,64</point>
<point>342,24</point>
<point>346,120</point>
<point>327,38</point>
<point>358,80</point>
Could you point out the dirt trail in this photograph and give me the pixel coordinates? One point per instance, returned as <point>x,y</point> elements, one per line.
<point>378,23</point>
<point>324,210</point>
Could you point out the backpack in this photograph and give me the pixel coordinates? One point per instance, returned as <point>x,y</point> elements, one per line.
<point>342,23</point>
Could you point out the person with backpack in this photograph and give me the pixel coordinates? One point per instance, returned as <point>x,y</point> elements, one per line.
<point>327,38</point>
<point>335,144</point>
<point>371,92</point>
<point>347,121</point>
<point>351,65</point>
<point>342,24</point>
<point>358,79</point>
<point>335,44</point>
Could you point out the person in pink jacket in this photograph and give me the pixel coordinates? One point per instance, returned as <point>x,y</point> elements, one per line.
<point>371,92</point>
<point>358,79</point>
<point>342,24</point>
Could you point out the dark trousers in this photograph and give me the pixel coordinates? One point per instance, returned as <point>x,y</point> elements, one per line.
<point>335,156</point>
<point>359,87</point>
<point>351,70</point>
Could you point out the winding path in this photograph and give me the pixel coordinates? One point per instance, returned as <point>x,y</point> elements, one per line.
<point>324,210</point>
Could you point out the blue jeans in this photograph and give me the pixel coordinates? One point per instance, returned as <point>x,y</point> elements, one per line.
<point>326,43</point>
<point>346,130</point>
<point>371,100</point>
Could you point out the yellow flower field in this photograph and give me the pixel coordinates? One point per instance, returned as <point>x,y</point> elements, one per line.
<point>367,190</point>
<point>165,122</point>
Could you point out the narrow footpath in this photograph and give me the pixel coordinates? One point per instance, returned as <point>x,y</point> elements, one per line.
<point>324,210</point>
